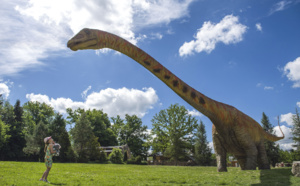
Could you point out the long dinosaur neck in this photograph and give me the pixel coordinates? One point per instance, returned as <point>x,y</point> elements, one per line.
<point>203,104</point>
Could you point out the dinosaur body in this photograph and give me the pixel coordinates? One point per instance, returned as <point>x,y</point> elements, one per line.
<point>233,131</point>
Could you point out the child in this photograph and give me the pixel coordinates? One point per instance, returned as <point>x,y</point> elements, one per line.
<point>49,142</point>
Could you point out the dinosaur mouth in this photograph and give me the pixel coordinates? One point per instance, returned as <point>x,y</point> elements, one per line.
<point>77,45</point>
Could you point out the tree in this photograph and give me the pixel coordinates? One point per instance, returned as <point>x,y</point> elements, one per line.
<point>39,112</point>
<point>17,141</point>
<point>174,127</point>
<point>40,132</point>
<point>296,129</point>
<point>4,137</point>
<point>4,130</point>
<point>83,137</point>
<point>57,130</point>
<point>202,150</point>
<point>100,123</point>
<point>8,117</point>
<point>271,148</point>
<point>132,133</point>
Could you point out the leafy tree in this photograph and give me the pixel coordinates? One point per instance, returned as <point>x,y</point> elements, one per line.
<point>4,129</point>
<point>132,133</point>
<point>39,112</point>
<point>174,127</point>
<point>271,148</point>
<point>100,123</point>
<point>83,137</point>
<point>4,137</point>
<point>202,150</point>
<point>118,123</point>
<point>285,156</point>
<point>8,118</point>
<point>116,156</point>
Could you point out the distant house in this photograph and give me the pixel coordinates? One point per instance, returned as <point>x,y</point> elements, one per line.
<point>124,148</point>
<point>233,162</point>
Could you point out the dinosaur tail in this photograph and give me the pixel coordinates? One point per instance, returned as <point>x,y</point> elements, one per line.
<point>272,137</point>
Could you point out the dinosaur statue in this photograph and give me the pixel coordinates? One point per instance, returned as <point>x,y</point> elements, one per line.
<point>233,131</point>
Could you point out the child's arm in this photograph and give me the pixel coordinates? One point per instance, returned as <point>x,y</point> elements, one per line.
<point>51,149</point>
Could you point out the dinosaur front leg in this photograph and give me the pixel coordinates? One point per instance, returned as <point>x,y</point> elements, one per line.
<point>263,162</point>
<point>220,151</point>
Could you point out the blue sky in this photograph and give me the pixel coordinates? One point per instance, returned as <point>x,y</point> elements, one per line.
<point>243,53</point>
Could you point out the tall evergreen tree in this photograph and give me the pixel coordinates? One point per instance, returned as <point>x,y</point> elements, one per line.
<point>84,138</point>
<point>40,132</point>
<point>202,150</point>
<point>296,129</point>
<point>17,141</point>
<point>271,148</point>
<point>57,129</point>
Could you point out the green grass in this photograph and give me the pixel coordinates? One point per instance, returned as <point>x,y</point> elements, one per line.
<point>28,173</point>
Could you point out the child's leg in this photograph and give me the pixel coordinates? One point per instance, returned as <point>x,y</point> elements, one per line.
<point>47,173</point>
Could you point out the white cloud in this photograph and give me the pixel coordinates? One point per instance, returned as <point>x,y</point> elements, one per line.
<point>227,31</point>
<point>211,145</point>
<point>282,5</point>
<point>84,93</point>
<point>112,101</point>
<point>4,90</point>
<point>258,26</point>
<point>195,113</point>
<point>151,12</point>
<point>288,118</point>
<point>33,30</point>
<point>298,103</point>
<point>292,71</point>
<point>287,142</point>
<point>268,88</point>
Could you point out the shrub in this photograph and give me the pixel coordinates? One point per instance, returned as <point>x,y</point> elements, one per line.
<point>103,156</point>
<point>116,156</point>
<point>137,160</point>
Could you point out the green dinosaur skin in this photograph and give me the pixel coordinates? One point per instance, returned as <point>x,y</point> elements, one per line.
<point>233,131</point>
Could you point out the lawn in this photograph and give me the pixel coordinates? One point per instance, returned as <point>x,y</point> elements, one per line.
<point>28,173</point>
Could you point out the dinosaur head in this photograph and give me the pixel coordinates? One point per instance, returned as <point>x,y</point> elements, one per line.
<point>85,39</point>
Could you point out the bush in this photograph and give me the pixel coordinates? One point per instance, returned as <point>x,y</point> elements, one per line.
<point>116,156</point>
<point>103,156</point>
<point>131,160</point>
<point>137,160</point>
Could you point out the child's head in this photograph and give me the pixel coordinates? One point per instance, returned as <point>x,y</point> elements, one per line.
<point>48,140</point>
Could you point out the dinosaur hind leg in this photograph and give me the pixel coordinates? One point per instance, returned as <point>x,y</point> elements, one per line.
<point>242,161</point>
<point>251,157</point>
<point>220,152</point>
<point>262,158</point>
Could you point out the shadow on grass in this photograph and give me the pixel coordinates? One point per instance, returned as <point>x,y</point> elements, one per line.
<point>279,176</point>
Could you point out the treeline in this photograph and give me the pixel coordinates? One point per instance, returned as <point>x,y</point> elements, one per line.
<point>175,134</point>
